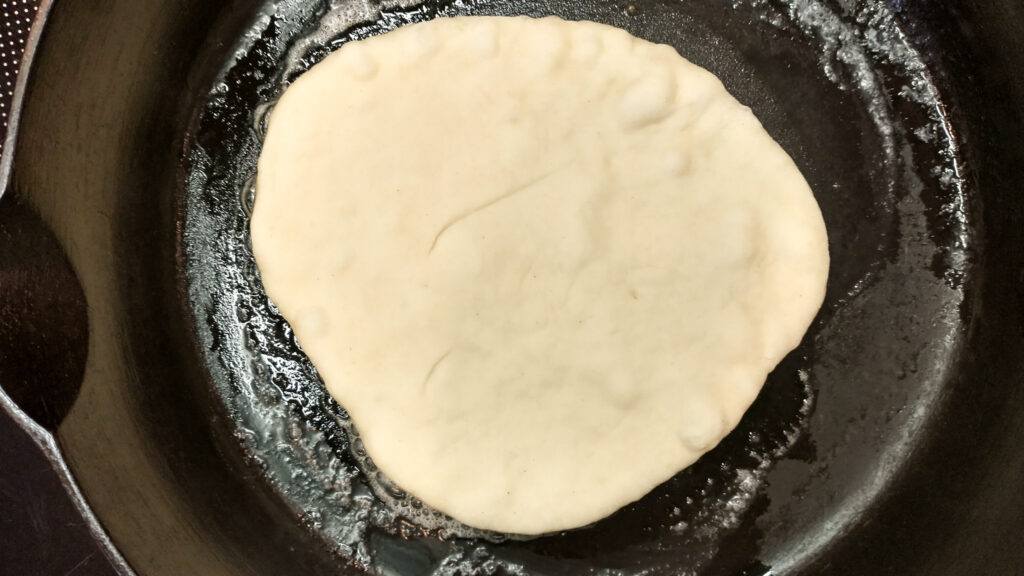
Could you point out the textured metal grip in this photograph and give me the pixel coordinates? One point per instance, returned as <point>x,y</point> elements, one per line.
<point>16,18</point>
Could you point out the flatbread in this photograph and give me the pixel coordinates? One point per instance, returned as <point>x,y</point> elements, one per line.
<point>544,265</point>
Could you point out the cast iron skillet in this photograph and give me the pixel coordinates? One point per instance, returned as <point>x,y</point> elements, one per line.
<point>137,346</point>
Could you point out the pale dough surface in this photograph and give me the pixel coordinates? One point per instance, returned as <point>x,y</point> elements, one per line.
<point>544,265</point>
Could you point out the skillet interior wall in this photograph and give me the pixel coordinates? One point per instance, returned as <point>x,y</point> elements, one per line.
<point>958,508</point>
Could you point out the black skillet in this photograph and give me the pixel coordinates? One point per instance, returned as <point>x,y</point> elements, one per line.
<point>138,348</point>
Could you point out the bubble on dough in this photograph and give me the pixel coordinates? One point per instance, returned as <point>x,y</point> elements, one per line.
<point>676,163</point>
<point>620,387</point>
<point>737,244</point>
<point>547,51</point>
<point>704,425</point>
<point>312,320</point>
<point>359,63</point>
<point>648,100</point>
<point>483,40</point>
<point>587,48</point>
<point>423,41</point>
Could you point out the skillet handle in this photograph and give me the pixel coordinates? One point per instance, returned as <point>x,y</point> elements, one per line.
<point>43,350</point>
<point>43,322</point>
<point>44,330</point>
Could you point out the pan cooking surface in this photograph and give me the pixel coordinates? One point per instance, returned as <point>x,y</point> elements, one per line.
<point>850,101</point>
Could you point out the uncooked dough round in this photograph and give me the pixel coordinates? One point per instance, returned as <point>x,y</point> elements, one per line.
<point>544,265</point>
